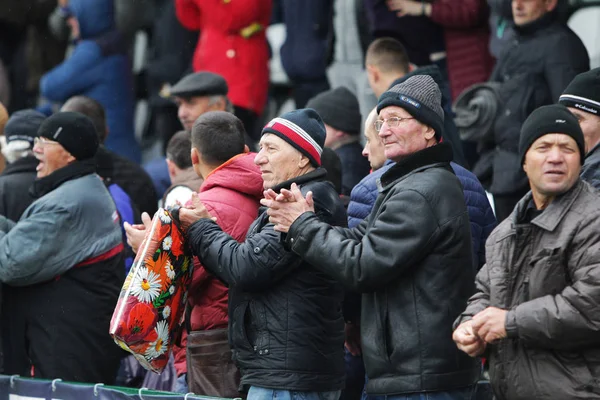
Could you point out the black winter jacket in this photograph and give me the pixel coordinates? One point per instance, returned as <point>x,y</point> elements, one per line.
<point>412,261</point>
<point>15,181</point>
<point>534,70</point>
<point>590,171</point>
<point>285,318</point>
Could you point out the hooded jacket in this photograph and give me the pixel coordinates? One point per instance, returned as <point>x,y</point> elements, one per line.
<point>286,327</point>
<point>546,272</point>
<point>98,72</point>
<point>231,193</point>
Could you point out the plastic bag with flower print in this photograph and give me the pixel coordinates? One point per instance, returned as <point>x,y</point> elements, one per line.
<point>149,313</point>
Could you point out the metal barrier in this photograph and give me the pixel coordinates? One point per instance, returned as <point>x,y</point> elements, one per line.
<point>16,388</point>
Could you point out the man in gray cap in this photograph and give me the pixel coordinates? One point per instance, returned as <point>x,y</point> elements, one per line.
<point>411,258</point>
<point>195,94</point>
<point>64,258</point>
<point>198,93</point>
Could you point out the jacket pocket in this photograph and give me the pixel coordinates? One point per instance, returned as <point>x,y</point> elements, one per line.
<point>237,328</point>
<point>259,335</point>
<point>547,274</point>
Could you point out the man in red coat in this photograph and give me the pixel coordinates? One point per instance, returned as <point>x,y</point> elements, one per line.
<point>233,44</point>
<point>231,192</point>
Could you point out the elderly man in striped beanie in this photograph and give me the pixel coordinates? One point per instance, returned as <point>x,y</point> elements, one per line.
<point>411,258</point>
<point>285,321</point>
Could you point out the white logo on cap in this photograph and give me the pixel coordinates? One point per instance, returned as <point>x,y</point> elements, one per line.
<point>58,131</point>
<point>560,121</point>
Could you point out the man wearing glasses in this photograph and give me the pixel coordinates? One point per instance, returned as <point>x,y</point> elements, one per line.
<point>411,258</point>
<point>63,259</point>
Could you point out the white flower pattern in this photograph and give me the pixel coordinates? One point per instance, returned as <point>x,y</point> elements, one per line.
<point>170,270</point>
<point>167,243</point>
<point>161,344</point>
<point>164,216</point>
<point>146,285</point>
<point>171,290</point>
<point>166,312</point>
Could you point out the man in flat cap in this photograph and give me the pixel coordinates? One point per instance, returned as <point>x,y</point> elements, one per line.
<point>536,313</point>
<point>65,257</point>
<point>195,94</point>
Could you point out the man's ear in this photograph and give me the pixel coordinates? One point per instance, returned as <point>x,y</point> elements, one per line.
<point>171,167</point>
<point>303,162</point>
<point>373,72</point>
<point>551,5</point>
<point>246,149</point>
<point>429,133</point>
<point>195,156</point>
<point>219,105</point>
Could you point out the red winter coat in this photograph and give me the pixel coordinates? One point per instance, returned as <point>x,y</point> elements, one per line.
<point>231,193</point>
<point>222,49</point>
<point>467,35</point>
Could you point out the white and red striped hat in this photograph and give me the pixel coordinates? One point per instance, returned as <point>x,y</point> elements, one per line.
<point>303,129</point>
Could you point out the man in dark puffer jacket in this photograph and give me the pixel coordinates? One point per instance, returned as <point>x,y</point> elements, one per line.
<point>285,316</point>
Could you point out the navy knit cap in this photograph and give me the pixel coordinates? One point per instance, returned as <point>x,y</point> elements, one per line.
<point>554,118</point>
<point>303,129</point>
<point>23,125</point>
<point>74,131</point>
<point>421,97</point>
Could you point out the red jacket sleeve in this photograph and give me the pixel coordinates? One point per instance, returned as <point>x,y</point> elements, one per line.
<point>188,14</point>
<point>458,14</point>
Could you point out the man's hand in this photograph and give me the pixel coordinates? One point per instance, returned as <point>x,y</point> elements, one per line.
<point>193,212</point>
<point>467,341</point>
<point>136,233</point>
<point>490,324</point>
<point>406,7</point>
<point>287,206</point>
<point>352,342</point>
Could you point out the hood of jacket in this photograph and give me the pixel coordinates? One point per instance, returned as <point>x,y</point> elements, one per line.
<point>95,17</point>
<point>239,174</point>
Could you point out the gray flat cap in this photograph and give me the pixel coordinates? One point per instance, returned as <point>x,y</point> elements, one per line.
<point>200,84</point>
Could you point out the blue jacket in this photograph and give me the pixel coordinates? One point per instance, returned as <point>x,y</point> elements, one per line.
<point>95,69</point>
<point>481,215</point>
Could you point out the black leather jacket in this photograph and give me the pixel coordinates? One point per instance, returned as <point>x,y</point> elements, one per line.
<point>285,317</point>
<point>412,260</point>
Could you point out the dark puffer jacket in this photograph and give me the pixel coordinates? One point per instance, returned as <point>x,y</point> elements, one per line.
<point>534,70</point>
<point>285,317</point>
<point>410,259</point>
<point>547,274</point>
<point>590,172</point>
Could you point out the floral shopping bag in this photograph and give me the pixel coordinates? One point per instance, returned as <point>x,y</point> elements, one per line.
<point>148,315</point>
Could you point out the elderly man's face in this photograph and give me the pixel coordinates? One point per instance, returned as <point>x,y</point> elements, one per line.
<point>590,125</point>
<point>278,161</point>
<point>51,155</point>
<point>527,11</point>
<point>552,164</point>
<point>405,139</point>
<point>373,150</point>
<point>190,108</point>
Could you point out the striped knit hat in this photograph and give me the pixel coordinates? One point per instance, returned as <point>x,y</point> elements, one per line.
<point>303,129</point>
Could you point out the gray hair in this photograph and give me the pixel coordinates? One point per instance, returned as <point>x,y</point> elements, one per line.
<point>16,150</point>
<point>218,97</point>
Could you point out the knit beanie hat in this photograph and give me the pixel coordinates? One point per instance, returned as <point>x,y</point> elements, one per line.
<point>583,92</point>
<point>303,129</point>
<point>554,118</point>
<point>23,126</point>
<point>339,109</point>
<point>421,97</point>
<point>74,131</point>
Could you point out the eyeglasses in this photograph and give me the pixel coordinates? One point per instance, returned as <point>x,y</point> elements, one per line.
<point>392,122</point>
<point>42,142</point>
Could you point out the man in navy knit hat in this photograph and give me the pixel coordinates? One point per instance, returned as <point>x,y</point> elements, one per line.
<point>411,258</point>
<point>285,316</point>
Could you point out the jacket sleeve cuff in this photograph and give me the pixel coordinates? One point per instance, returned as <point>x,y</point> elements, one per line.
<point>510,324</point>
<point>294,235</point>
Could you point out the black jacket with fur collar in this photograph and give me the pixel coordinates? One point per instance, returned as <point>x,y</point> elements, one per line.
<point>411,259</point>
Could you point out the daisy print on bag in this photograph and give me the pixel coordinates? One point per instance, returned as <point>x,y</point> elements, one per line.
<point>160,345</point>
<point>146,285</point>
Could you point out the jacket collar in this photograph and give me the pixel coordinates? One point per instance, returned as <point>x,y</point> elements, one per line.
<point>539,24</point>
<point>27,164</point>
<point>426,158</point>
<point>554,213</point>
<point>317,174</point>
<point>45,185</point>
<point>593,154</point>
